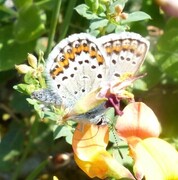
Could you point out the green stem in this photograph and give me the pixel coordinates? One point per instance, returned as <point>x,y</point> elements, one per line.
<point>9,11</point>
<point>42,3</point>
<point>33,175</point>
<point>64,27</point>
<point>54,21</point>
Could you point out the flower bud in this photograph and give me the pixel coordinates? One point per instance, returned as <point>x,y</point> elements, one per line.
<point>124,15</point>
<point>118,9</point>
<point>32,60</point>
<point>23,68</point>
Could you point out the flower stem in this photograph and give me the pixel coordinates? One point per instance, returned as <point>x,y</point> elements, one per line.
<point>54,21</point>
<point>67,18</point>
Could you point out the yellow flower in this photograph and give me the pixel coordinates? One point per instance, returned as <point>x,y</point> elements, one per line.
<point>153,158</point>
<point>89,145</point>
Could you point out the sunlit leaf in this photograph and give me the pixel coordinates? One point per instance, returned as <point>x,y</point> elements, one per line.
<point>98,23</point>
<point>135,16</point>
<point>84,11</point>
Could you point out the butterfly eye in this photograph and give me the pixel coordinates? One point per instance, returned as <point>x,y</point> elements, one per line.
<point>102,121</point>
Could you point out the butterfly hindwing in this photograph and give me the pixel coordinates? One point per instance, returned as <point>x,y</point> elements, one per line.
<point>125,53</point>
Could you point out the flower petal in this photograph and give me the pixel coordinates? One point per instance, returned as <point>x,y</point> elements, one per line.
<point>88,139</point>
<point>154,159</point>
<point>138,120</point>
<point>103,165</point>
<point>89,145</point>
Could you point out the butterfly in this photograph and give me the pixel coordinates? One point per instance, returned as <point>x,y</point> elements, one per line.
<point>80,63</point>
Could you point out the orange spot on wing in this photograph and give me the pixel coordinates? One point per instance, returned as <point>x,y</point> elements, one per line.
<point>93,53</point>
<point>117,48</point>
<point>56,72</point>
<point>109,50</point>
<point>77,50</point>
<point>85,48</point>
<point>100,59</point>
<point>126,44</point>
<point>71,56</point>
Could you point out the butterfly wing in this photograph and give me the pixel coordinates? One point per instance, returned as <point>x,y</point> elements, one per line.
<point>75,67</point>
<point>125,52</point>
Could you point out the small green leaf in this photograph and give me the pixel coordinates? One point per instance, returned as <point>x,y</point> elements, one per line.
<point>110,28</point>
<point>135,16</point>
<point>22,88</point>
<point>84,11</point>
<point>29,79</point>
<point>120,29</point>
<point>98,23</point>
<point>61,131</point>
<point>52,115</point>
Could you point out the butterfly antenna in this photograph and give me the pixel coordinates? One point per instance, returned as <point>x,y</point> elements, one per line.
<point>116,141</point>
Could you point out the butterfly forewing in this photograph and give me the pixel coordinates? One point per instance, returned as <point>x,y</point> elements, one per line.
<point>75,67</point>
<point>125,53</point>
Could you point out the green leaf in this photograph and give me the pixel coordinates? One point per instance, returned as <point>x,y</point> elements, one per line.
<point>98,23</point>
<point>52,116</point>
<point>120,29</point>
<point>11,52</point>
<point>22,88</point>
<point>30,24</point>
<point>63,131</point>
<point>84,11</point>
<point>29,79</point>
<point>135,16</point>
<point>110,28</point>
<point>36,172</point>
